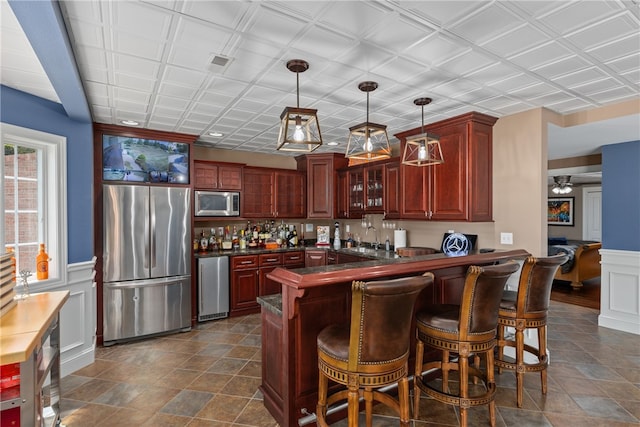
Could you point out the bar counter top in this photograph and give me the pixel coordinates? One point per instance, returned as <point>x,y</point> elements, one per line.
<point>315,297</point>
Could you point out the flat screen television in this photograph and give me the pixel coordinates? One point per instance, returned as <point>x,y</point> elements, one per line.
<point>126,158</point>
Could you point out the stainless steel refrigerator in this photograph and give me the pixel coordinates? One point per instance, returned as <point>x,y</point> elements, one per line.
<point>146,261</point>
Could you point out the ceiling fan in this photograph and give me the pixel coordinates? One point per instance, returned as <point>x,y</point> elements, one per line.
<point>561,184</point>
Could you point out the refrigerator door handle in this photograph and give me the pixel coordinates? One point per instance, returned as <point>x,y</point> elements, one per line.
<point>152,226</point>
<point>146,239</point>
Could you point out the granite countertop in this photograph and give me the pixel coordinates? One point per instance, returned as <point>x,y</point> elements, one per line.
<point>272,303</point>
<point>364,252</point>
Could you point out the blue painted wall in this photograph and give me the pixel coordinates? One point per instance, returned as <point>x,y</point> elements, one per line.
<point>621,196</point>
<point>28,111</point>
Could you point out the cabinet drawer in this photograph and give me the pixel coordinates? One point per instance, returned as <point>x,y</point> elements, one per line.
<point>271,259</point>
<point>244,261</point>
<point>293,258</point>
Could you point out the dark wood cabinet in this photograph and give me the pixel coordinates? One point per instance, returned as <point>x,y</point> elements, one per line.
<point>460,189</point>
<point>268,262</point>
<point>320,170</point>
<point>257,193</point>
<point>392,193</point>
<point>217,176</point>
<point>315,257</point>
<point>342,194</point>
<point>364,189</point>
<point>290,194</point>
<point>244,285</point>
<point>273,193</point>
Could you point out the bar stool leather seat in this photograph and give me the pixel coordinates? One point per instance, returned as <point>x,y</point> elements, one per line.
<point>523,309</point>
<point>372,351</point>
<point>465,330</point>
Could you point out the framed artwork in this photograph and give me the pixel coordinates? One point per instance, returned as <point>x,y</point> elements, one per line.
<point>560,211</point>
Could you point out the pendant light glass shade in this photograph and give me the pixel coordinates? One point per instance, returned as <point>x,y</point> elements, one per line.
<point>423,149</point>
<point>299,127</point>
<point>368,141</point>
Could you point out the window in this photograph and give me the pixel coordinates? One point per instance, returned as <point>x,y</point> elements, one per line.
<point>33,207</point>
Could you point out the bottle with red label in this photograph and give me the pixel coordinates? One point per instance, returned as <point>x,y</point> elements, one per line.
<point>42,264</point>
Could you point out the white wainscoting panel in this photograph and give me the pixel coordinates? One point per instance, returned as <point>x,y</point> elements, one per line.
<point>78,318</point>
<point>620,292</point>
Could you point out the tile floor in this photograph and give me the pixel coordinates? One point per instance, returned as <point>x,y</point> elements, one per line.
<point>209,377</point>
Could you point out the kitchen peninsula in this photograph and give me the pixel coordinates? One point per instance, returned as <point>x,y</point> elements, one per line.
<point>313,298</point>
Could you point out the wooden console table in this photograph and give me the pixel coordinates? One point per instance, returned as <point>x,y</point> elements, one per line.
<point>313,298</point>
<point>30,336</point>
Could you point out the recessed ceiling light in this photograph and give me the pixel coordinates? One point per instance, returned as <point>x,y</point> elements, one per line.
<point>216,134</point>
<point>332,143</point>
<point>129,122</point>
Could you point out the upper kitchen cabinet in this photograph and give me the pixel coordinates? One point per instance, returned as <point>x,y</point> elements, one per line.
<point>392,194</point>
<point>321,173</point>
<point>364,189</point>
<point>217,176</point>
<point>460,189</point>
<point>272,193</point>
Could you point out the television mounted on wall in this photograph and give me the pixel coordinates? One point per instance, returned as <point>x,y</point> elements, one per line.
<point>126,158</point>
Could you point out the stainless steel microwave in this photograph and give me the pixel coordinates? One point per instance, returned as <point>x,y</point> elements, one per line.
<point>217,203</point>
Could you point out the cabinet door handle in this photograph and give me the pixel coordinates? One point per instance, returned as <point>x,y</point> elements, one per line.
<point>246,262</point>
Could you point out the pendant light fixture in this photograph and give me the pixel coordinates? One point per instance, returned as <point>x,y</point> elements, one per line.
<point>299,127</point>
<point>423,149</point>
<point>368,141</point>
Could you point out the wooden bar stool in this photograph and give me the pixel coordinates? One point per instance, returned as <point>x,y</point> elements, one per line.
<point>527,308</point>
<point>466,330</point>
<point>372,351</point>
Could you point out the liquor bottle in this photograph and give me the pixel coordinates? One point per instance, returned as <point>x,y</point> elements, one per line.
<point>235,242</point>
<point>213,242</point>
<point>350,241</point>
<point>42,264</point>
<point>290,237</point>
<point>387,245</point>
<point>295,237</point>
<point>336,236</point>
<point>242,240</point>
<point>204,242</point>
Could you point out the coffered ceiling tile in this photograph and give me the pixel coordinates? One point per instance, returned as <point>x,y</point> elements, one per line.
<point>533,91</point>
<point>456,87</point>
<point>572,15</point>
<point>540,55</point>
<point>353,17</point>
<point>88,11</point>
<point>135,82</point>
<point>129,43</point>
<point>126,17</point>
<point>442,12</point>
<point>514,82</point>
<point>275,27</point>
<point>627,64</point>
<point>324,43</point>
<point>183,77</point>
<point>596,87</point>
<point>223,13</point>
<point>561,67</point>
<point>486,23</point>
<point>604,31</point>
<point>131,95</point>
<point>121,104</point>
<point>614,95</point>
<point>436,50</point>
<point>177,91</point>
<point>517,40</point>
<point>494,72</point>
<point>88,34</point>
<point>572,105</point>
<point>411,32</point>
<point>617,48</point>
<point>200,36</point>
<point>178,104</point>
<point>248,66</point>
<point>581,77</point>
<point>467,63</point>
<point>399,69</point>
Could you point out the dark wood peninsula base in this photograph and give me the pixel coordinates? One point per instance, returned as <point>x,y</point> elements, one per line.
<point>313,298</point>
